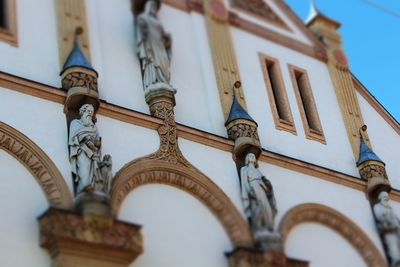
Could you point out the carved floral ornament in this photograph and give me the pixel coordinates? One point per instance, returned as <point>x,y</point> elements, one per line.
<point>39,165</point>
<point>316,213</point>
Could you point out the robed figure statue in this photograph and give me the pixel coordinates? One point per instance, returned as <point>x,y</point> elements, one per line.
<point>258,200</point>
<point>89,172</point>
<point>389,227</point>
<point>153,49</point>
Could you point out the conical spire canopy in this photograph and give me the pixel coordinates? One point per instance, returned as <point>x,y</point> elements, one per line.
<point>77,59</point>
<point>237,112</point>
<point>366,153</point>
<point>315,13</point>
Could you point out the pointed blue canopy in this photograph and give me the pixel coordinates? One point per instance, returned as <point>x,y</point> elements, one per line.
<point>77,59</point>
<point>238,112</point>
<point>366,154</point>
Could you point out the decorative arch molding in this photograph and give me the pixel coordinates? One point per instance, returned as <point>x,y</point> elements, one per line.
<point>317,213</point>
<point>146,171</point>
<point>38,164</point>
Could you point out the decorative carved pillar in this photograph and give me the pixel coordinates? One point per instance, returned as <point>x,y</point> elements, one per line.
<point>88,236</point>
<point>327,30</point>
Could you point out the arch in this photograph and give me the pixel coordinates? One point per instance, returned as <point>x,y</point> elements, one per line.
<point>317,213</point>
<point>38,164</point>
<point>146,171</point>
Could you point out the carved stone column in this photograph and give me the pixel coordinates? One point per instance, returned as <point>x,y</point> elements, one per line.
<point>76,240</point>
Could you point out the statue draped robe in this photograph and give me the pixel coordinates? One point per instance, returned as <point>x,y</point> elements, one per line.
<point>258,199</point>
<point>154,52</point>
<point>84,160</point>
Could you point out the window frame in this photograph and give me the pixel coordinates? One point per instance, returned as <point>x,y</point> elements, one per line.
<point>280,123</point>
<point>10,33</point>
<point>311,133</point>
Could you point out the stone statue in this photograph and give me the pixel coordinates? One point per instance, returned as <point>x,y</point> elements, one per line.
<point>389,227</point>
<point>153,49</point>
<point>89,172</point>
<point>259,202</point>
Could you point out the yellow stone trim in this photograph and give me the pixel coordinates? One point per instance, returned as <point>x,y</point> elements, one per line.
<point>71,15</point>
<point>224,57</point>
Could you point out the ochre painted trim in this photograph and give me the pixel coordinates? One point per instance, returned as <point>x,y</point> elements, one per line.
<point>317,213</point>
<point>376,105</point>
<point>147,171</point>
<point>317,51</point>
<point>10,35</point>
<point>143,120</point>
<point>38,164</point>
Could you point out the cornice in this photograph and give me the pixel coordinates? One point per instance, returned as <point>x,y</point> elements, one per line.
<point>116,112</point>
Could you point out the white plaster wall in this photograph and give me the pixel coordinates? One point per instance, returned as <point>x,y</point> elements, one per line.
<point>337,153</point>
<point>21,202</point>
<point>178,230</point>
<point>384,139</point>
<point>321,246</point>
<point>120,82</point>
<point>44,123</point>
<point>36,56</point>
<point>294,32</point>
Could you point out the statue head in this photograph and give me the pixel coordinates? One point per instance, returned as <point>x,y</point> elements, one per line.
<point>152,7</point>
<point>251,158</point>
<point>383,197</point>
<point>86,113</point>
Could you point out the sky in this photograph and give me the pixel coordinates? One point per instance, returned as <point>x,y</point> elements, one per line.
<point>371,35</point>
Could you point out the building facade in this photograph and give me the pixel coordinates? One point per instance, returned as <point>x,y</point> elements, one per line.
<point>178,94</point>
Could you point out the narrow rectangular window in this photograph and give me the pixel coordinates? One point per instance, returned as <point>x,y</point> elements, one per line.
<point>8,24</point>
<point>306,103</point>
<point>277,94</point>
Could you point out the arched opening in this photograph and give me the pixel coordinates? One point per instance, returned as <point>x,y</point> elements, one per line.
<point>178,229</point>
<point>146,171</point>
<point>38,164</point>
<point>302,219</point>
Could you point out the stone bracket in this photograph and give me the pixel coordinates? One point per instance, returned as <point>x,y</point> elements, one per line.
<point>75,240</point>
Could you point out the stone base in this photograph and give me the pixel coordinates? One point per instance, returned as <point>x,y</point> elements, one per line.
<point>76,240</point>
<point>268,241</point>
<point>159,90</point>
<point>250,257</point>
<point>93,203</point>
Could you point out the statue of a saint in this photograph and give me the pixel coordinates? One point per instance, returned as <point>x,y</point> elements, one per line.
<point>258,199</point>
<point>153,49</point>
<point>389,227</point>
<point>85,151</point>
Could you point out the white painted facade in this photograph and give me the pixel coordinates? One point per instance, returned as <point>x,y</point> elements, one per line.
<point>177,228</point>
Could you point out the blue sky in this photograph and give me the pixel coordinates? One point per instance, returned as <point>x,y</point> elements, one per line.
<point>372,42</point>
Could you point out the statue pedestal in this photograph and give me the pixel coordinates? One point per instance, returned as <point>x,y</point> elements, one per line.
<point>75,240</point>
<point>268,241</point>
<point>93,203</point>
<point>251,257</point>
